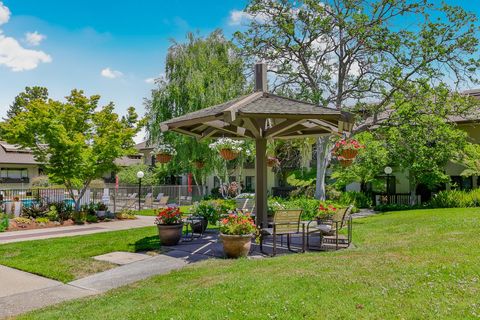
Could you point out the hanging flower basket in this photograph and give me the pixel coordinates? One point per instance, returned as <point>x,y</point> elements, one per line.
<point>345,162</point>
<point>229,149</point>
<point>164,153</point>
<point>273,162</point>
<point>228,154</point>
<point>199,164</point>
<point>347,149</point>
<point>164,158</point>
<point>349,153</point>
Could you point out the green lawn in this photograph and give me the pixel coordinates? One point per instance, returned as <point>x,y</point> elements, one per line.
<point>151,212</point>
<point>69,258</point>
<point>422,264</point>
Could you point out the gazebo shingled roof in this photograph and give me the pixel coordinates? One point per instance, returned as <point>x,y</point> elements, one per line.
<point>261,116</point>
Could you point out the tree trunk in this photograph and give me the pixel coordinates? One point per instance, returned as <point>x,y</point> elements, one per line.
<point>322,161</point>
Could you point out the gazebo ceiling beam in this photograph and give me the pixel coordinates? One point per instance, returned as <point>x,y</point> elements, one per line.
<point>190,133</point>
<point>208,133</point>
<point>227,127</point>
<point>251,126</point>
<point>282,127</point>
<point>327,125</point>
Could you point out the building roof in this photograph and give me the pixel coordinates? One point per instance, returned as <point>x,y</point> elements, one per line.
<point>261,114</point>
<point>14,154</point>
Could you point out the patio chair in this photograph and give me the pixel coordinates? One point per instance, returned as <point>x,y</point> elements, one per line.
<point>163,202</point>
<point>148,202</point>
<point>285,222</point>
<point>328,229</point>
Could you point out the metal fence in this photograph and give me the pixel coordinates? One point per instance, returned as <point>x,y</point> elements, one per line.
<point>397,198</point>
<point>125,197</point>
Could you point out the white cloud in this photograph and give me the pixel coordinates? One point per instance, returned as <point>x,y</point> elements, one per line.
<point>13,55</point>
<point>34,38</point>
<point>238,17</point>
<point>17,58</point>
<point>4,13</point>
<point>110,74</point>
<point>150,80</point>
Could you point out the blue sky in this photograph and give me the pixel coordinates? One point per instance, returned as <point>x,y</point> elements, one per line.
<point>109,48</point>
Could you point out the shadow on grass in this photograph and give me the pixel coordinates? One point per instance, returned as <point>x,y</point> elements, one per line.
<point>147,244</point>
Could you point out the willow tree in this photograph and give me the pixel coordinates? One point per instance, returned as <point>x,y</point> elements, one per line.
<point>199,73</point>
<point>349,53</point>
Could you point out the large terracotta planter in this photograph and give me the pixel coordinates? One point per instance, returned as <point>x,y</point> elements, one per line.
<point>228,154</point>
<point>170,234</point>
<point>349,153</point>
<point>164,158</point>
<point>236,246</point>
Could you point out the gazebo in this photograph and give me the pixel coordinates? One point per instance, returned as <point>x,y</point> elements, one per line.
<point>261,116</point>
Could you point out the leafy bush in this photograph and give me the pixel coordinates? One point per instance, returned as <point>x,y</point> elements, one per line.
<point>207,210</point>
<point>126,214</point>
<point>92,219</point>
<point>35,211</point>
<point>42,220</point>
<point>456,199</point>
<point>22,220</point>
<point>4,222</point>
<point>358,199</point>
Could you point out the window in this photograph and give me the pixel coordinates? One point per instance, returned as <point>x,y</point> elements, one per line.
<point>249,183</point>
<point>461,183</point>
<point>13,173</point>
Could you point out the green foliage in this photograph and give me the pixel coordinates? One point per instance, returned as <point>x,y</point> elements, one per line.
<point>398,207</point>
<point>470,159</point>
<point>199,73</point>
<point>369,162</point>
<point>456,199</point>
<point>4,222</point>
<point>35,211</point>
<point>128,175</point>
<point>304,180</point>
<point>307,204</point>
<point>77,140</point>
<point>125,214</point>
<point>63,211</point>
<point>358,199</point>
<point>212,210</point>
<point>22,220</point>
<point>92,219</point>
<point>44,220</point>
<point>238,224</point>
<point>418,135</point>
<point>40,181</point>
<point>21,101</point>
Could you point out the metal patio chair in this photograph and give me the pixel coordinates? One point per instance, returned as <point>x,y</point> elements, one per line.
<point>285,222</point>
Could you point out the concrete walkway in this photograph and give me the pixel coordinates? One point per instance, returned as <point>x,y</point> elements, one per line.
<point>70,231</point>
<point>21,292</point>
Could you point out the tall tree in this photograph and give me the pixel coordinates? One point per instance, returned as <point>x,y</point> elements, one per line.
<point>199,73</point>
<point>418,136</point>
<point>24,98</point>
<point>346,53</point>
<point>75,140</point>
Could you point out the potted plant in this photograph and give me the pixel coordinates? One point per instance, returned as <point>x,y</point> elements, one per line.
<point>164,153</point>
<point>347,149</point>
<point>101,211</point>
<point>236,233</point>
<point>170,225</point>
<point>229,149</point>
<point>326,212</point>
<point>205,212</point>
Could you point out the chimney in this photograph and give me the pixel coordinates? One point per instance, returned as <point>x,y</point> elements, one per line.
<point>261,82</point>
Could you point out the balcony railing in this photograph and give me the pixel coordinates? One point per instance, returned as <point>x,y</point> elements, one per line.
<point>15,180</point>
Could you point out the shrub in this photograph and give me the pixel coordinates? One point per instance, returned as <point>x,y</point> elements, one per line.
<point>358,199</point>
<point>22,220</point>
<point>126,214</point>
<point>207,210</point>
<point>455,199</point>
<point>92,219</point>
<point>40,181</point>
<point>42,220</point>
<point>35,211</point>
<point>4,222</point>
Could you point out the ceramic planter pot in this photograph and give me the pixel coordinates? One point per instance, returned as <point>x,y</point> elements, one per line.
<point>164,158</point>
<point>170,234</point>
<point>228,154</point>
<point>349,153</point>
<point>199,225</point>
<point>236,246</point>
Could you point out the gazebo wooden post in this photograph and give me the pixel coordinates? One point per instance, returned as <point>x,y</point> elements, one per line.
<point>261,181</point>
